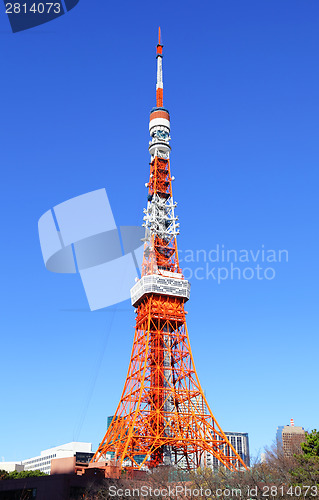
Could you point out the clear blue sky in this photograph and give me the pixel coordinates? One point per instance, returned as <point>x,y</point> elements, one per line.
<point>241,83</point>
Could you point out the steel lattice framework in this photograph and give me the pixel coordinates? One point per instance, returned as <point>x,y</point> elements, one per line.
<point>163,417</point>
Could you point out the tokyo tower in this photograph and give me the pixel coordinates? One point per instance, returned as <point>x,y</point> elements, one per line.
<point>163,417</point>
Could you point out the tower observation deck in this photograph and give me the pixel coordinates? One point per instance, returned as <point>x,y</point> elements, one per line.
<point>163,417</point>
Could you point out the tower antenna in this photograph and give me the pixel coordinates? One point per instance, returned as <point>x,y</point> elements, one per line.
<point>159,78</point>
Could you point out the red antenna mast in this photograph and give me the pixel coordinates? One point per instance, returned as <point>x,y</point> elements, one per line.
<point>159,81</point>
<point>163,417</point>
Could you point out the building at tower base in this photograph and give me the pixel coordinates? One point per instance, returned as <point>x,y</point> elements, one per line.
<point>80,451</point>
<point>239,441</point>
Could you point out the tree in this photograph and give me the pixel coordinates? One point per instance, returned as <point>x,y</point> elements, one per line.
<point>311,446</point>
<point>306,472</point>
<point>277,476</point>
<point>3,474</point>
<point>20,475</point>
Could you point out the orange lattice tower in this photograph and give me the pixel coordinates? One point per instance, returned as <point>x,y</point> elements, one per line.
<point>163,417</point>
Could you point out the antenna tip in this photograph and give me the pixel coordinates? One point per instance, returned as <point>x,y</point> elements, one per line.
<point>159,35</point>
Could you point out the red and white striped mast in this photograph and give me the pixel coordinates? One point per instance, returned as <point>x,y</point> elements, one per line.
<point>159,81</point>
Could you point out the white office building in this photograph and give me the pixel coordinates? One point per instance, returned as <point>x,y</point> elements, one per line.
<point>11,466</point>
<point>239,440</point>
<point>43,461</point>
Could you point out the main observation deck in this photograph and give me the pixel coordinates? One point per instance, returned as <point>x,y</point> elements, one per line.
<point>166,283</point>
